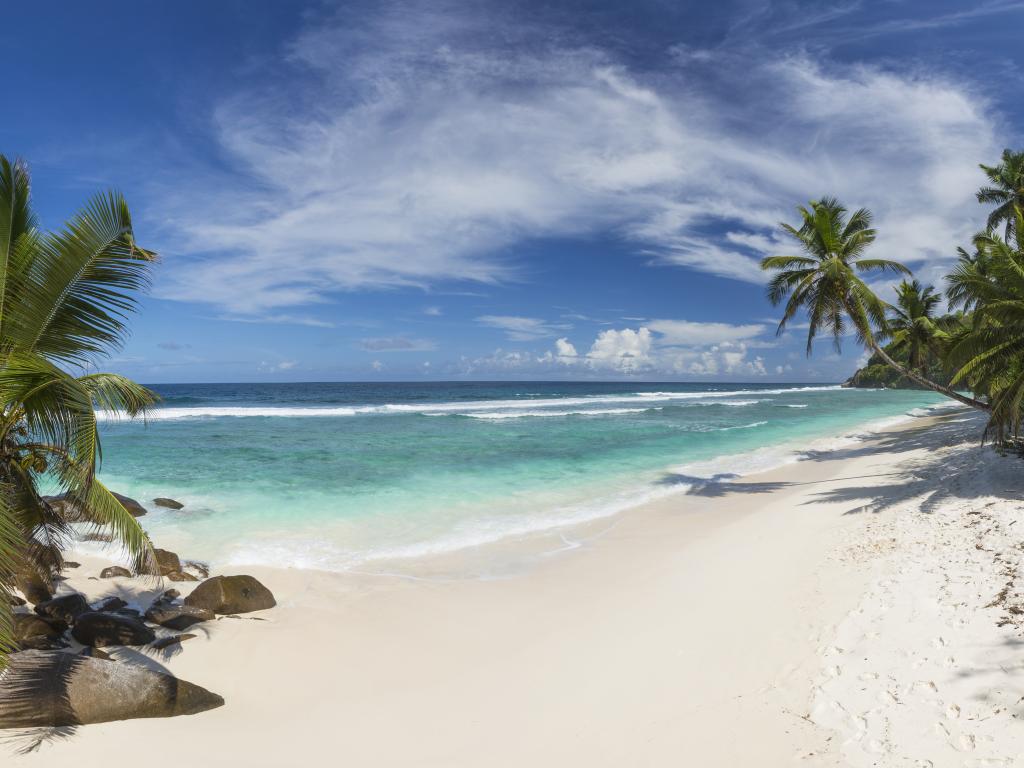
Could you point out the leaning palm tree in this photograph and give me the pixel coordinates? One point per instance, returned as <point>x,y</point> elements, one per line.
<point>64,297</point>
<point>914,330</point>
<point>989,355</point>
<point>1006,190</point>
<point>824,280</point>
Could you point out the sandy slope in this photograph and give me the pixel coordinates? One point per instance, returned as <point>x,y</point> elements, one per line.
<point>821,615</point>
<point>928,670</point>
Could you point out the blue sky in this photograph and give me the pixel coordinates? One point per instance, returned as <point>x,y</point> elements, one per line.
<point>476,190</point>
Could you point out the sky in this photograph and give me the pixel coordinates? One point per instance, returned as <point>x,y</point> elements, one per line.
<point>494,190</point>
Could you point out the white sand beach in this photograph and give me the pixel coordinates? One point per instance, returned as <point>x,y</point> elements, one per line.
<point>861,607</point>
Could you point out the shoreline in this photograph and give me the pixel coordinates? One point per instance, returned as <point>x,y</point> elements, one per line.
<point>649,486</point>
<point>692,629</point>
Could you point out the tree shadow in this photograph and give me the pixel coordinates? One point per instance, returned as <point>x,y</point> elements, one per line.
<point>717,485</point>
<point>29,740</point>
<point>919,479</point>
<point>35,680</point>
<point>723,484</point>
<point>946,431</point>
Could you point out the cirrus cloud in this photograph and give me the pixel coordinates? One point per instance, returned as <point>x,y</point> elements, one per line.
<point>413,146</point>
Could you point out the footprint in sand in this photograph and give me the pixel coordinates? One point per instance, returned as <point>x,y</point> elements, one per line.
<point>952,712</point>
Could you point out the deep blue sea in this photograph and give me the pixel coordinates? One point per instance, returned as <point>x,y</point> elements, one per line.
<point>333,476</point>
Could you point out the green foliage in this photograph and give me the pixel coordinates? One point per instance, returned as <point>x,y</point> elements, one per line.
<point>825,282</point>
<point>825,279</point>
<point>988,354</point>
<point>878,374</point>
<point>982,346</point>
<point>64,300</point>
<point>1006,191</point>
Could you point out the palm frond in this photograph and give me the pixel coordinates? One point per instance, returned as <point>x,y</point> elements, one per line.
<point>81,285</point>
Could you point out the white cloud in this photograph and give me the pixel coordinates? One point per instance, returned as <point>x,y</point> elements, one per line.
<point>627,350</point>
<point>563,348</point>
<point>522,328</point>
<point>500,360</point>
<point>402,151</point>
<point>278,319</point>
<point>564,353</point>
<point>396,344</point>
<point>726,358</point>
<point>667,347</point>
<point>432,311</point>
<point>284,365</point>
<point>689,333</point>
<point>377,365</point>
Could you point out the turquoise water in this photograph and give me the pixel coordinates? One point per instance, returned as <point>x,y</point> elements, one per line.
<point>335,475</point>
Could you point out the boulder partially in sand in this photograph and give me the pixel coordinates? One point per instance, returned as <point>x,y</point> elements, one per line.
<point>102,629</point>
<point>53,689</point>
<point>181,576</point>
<point>114,571</point>
<point>33,632</point>
<point>167,562</point>
<point>111,604</point>
<point>177,617</point>
<point>72,512</point>
<point>231,594</point>
<point>163,501</point>
<point>134,508</point>
<point>34,587</point>
<point>66,608</point>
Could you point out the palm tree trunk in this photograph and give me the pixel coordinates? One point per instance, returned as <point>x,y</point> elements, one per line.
<point>918,379</point>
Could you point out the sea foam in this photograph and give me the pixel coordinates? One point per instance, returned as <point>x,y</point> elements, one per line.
<point>466,407</point>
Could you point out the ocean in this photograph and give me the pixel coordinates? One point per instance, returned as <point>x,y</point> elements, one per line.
<point>337,475</point>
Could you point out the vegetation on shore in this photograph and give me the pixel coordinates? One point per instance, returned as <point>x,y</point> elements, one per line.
<point>64,298</point>
<point>979,348</point>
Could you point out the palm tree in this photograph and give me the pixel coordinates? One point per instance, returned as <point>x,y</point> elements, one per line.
<point>64,297</point>
<point>825,281</point>
<point>913,327</point>
<point>970,265</point>
<point>990,354</point>
<point>1006,192</point>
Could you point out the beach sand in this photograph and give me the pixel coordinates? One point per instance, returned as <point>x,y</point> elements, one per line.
<point>855,608</point>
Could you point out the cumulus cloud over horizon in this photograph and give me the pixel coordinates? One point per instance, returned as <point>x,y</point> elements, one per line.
<point>419,150</point>
<point>658,348</point>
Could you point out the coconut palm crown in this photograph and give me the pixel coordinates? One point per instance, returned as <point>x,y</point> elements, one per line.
<point>989,356</point>
<point>912,326</point>
<point>64,298</point>
<point>1006,190</point>
<point>825,282</point>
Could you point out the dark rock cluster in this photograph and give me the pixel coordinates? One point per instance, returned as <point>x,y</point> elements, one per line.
<point>48,683</point>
